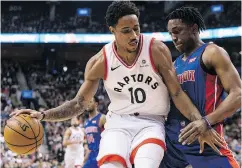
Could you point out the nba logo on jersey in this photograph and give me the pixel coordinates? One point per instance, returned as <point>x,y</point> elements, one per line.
<point>192,60</point>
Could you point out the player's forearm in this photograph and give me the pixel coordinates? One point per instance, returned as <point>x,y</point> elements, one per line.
<point>185,106</point>
<point>86,156</point>
<point>226,108</point>
<point>65,111</point>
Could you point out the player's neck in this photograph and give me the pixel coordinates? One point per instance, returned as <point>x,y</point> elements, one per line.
<point>198,43</point>
<point>93,114</point>
<point>74,127</point>
<point>127,57</point>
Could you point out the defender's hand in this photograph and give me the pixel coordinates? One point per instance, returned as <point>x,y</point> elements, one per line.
<point>192,131</point>
<point>212,138</point>
<point>32,113</point>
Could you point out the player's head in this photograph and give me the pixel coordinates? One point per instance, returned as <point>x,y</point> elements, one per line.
<point>76,121</point>
<point>122,18</point>
<point>184,26</point>
<point>92,105</point>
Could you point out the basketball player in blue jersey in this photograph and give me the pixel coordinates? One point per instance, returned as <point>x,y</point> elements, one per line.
<point>93,128</point>
<point>205,72</point>
<point>140,79</point>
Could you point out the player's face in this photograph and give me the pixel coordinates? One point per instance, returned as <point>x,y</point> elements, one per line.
<point>91,106</point>
<point>75,122</point>
<point>127,32</point>
<point>181,34</point>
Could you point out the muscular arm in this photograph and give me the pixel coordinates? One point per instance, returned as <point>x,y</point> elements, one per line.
<point>87,153</point>
<point>217,58</point>
<point>102,121</point>
<point>67,135</point>
<point>95,69</point>
<point>163,62</point>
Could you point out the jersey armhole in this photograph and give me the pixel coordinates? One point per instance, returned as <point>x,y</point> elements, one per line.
<point>106,64</point>
<point>205,69</point>
<point>150,53</point>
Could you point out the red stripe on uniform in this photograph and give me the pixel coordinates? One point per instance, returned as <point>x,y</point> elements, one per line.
<point>226,151</point>
<point>151,58</point>
<point>213,97</point>
<point>150,140</point>
<point>106,64</point>
<point>213,93</point>
<point>112,158</point>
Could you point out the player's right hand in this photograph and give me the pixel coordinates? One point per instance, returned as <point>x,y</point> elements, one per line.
<point>32,113</point>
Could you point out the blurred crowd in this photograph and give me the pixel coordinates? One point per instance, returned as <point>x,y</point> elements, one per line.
<point>46,17</point>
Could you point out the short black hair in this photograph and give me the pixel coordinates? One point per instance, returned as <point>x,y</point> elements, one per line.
<point>96,99</point>
<point>188,15</point>
<point>118,9</point>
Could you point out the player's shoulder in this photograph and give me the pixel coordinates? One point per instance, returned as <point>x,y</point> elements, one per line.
<point>160,53</point>
<point>95,68</point>
<point>68,131</point>
<point>158,46</point>
<point>213,49</point>
<point>97,58</point>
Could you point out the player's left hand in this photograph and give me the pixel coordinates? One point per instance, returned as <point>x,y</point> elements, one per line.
<point>212,138</point>
<point>192,131</point>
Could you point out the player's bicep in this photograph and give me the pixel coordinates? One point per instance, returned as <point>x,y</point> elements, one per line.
<point>224,68</point>
<point>102,121</point>
<point>66,136</point>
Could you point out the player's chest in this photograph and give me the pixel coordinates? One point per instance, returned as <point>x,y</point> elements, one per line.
<point>191,64</point>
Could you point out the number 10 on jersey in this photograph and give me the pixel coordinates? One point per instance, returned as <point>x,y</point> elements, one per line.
<point>137,95</point>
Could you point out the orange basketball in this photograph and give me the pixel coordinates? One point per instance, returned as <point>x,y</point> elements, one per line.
<point>23,134</point>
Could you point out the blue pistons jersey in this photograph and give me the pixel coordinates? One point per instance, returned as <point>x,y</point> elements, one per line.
<point>206,92</point>
<point>204,89</point>
<point>93,132</point>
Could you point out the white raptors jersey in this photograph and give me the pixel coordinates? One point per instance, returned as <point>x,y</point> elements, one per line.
<point>77,134</point>
<point>137,88</point>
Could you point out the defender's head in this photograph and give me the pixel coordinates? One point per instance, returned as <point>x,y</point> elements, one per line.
<point>122,17</point>
<point>92,105</point>
<point>184,26</point>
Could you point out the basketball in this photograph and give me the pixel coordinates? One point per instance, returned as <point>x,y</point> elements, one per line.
<point>23,134</point>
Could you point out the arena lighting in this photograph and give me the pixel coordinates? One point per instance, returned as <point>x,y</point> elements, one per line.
<point>83,11</point>
<point>217,8</point>
<point>65,68</point>
<point>106,38</point>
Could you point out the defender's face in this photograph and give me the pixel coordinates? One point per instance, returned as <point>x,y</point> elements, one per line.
<point>91,105</point>
<point>181,34</point>
<point>127,32</point>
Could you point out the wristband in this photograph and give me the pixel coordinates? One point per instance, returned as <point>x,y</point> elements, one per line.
<point>207,122</point>
<point>43,115</point>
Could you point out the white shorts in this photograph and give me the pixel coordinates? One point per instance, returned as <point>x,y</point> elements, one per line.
<point>74,159</point>
<point>124,134</point>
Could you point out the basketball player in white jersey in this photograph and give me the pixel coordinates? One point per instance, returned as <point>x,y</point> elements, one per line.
<point>73,141</point>
<point>138,75</point>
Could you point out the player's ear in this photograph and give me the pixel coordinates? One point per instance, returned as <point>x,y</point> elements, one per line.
<point>111,28</point>
<point>195,28</point>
